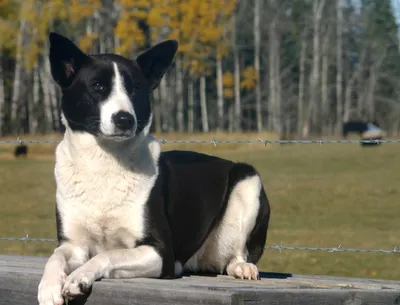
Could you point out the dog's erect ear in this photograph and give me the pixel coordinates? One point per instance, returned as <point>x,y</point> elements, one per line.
<point>65,59</point>
<point>156,61</point>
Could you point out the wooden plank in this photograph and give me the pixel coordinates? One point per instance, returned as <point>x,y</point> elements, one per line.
<point>19,277</point>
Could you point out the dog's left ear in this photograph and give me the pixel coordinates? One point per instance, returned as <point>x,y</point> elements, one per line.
<point>156,61</point>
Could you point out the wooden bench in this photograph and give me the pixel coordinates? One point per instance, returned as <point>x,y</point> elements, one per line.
<point>20,275</point>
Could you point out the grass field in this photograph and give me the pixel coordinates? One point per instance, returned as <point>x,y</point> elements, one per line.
<point>321,196</point>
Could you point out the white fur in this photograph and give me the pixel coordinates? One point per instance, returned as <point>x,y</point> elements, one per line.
<point>229,238</point>
<point>142,261</point>
<point>118,100</point>
<point>101,202</point>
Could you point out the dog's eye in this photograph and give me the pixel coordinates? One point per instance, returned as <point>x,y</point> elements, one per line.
<point>98,87</point>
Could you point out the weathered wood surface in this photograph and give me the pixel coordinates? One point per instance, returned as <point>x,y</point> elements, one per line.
<point>20,275</point>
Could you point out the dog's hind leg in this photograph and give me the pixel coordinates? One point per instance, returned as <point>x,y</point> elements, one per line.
<point>237,242</point>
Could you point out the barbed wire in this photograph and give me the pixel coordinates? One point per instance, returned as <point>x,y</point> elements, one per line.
<point>280,247</point>
<point>217,141</point>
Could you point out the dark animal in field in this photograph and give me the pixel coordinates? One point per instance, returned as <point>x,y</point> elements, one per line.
<point>368,131</point>
<point>21,151</point>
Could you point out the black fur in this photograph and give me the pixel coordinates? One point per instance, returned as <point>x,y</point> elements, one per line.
<point>21,151</point>
<point>189,200</point>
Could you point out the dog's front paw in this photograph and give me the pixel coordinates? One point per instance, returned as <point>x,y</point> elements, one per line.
<point>78,283</point>
<point>243,270</point>
<point>49,290</point>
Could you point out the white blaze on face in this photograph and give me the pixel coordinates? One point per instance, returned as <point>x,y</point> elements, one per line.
<point>118,100</point>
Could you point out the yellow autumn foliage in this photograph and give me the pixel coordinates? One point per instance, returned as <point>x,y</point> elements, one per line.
<point>228,79</point>
<point>86,42</point>
<point>249,78</point>
<point>200,26</point>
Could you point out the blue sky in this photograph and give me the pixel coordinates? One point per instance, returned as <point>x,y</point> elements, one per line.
<point>396,5</point>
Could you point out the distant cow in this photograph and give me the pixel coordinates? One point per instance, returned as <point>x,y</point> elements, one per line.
<point>366,131</point>
<point>21,151</point>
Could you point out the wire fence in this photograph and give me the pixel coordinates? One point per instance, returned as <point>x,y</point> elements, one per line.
<point>218,141</point>
<point>280,247</point>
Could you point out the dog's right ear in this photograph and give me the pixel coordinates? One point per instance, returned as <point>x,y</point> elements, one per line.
<point>65,59</point>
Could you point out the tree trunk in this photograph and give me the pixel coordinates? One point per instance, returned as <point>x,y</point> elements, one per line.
<point>257,47</point>
<point>271,75</point>
<point>370,98</point>
<point>190,106</point>
<point>156,101</point>
<point>2,96</point>
<point>339,64</point>
<point>179,94</point>
<point>230,117</point>
<point>237,111</point>
<point>33,110</point>
<point>318,6</point>
<point>54,103</point>
<point>203,103</point>
<point>326,118</point>
<point>165,105</point>
<point>300,100</point>
<point>220,95</point>
<point>278,122</point>
<point>45,80</point>
<point>355,75</point>
<point>15,99</point>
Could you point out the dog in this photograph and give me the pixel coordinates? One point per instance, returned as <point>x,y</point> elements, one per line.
<point>21,151</point>
<point>123,208</point>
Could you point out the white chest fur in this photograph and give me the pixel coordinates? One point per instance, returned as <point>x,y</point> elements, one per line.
<point>101,196</point>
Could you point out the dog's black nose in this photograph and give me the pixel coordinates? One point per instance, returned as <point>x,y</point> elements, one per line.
<point>123,120</point>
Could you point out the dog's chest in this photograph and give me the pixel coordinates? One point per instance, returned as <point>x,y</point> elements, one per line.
<point>101,203</point>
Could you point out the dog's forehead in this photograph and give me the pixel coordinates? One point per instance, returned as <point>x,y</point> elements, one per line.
<point>109,61</point>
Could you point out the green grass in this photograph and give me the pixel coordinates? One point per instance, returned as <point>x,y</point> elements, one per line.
<point>321,196</point>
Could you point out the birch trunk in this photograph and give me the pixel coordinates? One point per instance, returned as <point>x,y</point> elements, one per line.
<point>278,88</point>
<point>45,80</point>
<point>33,110</point>
<point>370,98</point>
<point>339,64</point>
<point>220,95</point>
<point>325,122</point>
<point>190,106</point>
<point>15,99</point>
<point>2,96</point>
<point>318,6</point>
<point>157,110</point>
<point>165,105</point>
<point>230,117</point>
<point>257,47</point>
<point>203,104</point>
<point>300,100</point>
<point>371,88</point>
<point>179,94</point>
<point>355,75</point>
<point>271,76</point>
<point>54,103</point>
<point>237,108</point>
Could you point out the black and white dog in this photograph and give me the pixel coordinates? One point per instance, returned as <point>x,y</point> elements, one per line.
<point>126,210</point>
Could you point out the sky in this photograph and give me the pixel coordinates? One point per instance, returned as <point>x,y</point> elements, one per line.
<point>396,5</point>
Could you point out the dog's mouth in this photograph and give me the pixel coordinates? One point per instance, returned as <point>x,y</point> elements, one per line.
<point>118,137</point>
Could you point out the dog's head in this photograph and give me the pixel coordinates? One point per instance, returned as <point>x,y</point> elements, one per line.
<point>107,95</point>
